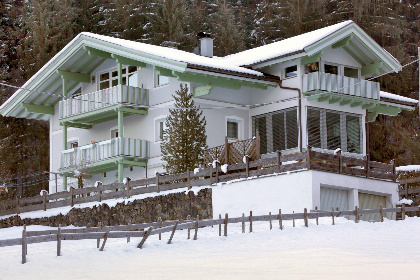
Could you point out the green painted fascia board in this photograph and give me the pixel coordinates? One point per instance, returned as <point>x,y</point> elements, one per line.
<point>91,113</point>
<point>372,68</point>
<point>343,42</point>
<point>40,109</point>
<point>346,102</point>
<point>97,52</point>
<point>387,110</point>
<point>327,40</point>
<point>335,100</point>
<point>74,76</point>
<point>129,163</point>
<point>77,125</point>
<point>134,111</point>
<point>164,72</point>
<point>372,116</point>
<point>128,61</point>
<point>356,104</point>
<point>313,58</point>
<point>324,98</point>
<point>201,91</point>
<point>369,105</point>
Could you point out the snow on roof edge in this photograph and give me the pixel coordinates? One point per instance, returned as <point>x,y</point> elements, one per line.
<point>397,97</point>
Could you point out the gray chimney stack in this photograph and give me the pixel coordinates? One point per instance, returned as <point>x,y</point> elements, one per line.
<point>205,44</point>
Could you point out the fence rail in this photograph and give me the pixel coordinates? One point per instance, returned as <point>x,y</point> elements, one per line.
<point>157,228</point>
<point>282,163</point>
<point>120,94</point>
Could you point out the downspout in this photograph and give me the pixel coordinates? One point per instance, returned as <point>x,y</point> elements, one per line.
<point>299,109</point>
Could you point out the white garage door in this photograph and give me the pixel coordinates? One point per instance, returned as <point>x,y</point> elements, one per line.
<point>334,198</point>
<point>371,201</point>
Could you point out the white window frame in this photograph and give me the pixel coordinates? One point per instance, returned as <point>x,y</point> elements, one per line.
<point>110,71</point>
<point>157,122</point>
<point>113,131</point>
<point>240,122</point>
<point>157,85</point>
<point>340,68</point>
<point>284,72</point>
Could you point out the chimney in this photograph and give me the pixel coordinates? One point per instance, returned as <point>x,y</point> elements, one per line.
<point>205,45</point>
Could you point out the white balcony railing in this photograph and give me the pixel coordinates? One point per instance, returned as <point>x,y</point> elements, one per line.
<point>83,156</point>
<point>89,102</point>
<point>340,84</point>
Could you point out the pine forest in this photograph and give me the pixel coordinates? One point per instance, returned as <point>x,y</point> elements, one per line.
<point>33,31</point>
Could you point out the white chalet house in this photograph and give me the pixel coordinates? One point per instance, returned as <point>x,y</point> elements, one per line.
<point>107,99</point>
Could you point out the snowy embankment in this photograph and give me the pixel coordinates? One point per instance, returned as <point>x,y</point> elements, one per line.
<point>347,250</point>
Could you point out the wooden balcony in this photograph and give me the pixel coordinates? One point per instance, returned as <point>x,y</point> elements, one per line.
<point>105,155</point>
<point>100,106</point>
<point>336,88</point>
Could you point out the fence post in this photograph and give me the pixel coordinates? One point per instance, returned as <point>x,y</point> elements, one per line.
<point>220,225</point>
<point>157,182</point>
<point>250,221</point>
<point>269,219</point>
<point>258,145</point>
<point>71,194</point>
<point>316,209</point>
<point>105,238</point>
<point>356,214</point>
<point>24,245</point>
<point>367,157</point>
<point>56,183</point>
<point>226,150</point>
<point>44,200</point>
<point>280,220</point>
<point>406,189</point>
<point>196,227</point>
<point>128,237</point>
<point>403,212</point>
<point>243,223</point>
<point>17,205</point>
<point>59,241</point>
<point>217,172</point>
<point>309,149</point>
<point>305,216</point>
<point>381,211</point>
<point>226,223</point>
<point>98,190</point>
<point>188,178</point>
<point>98,241</point>
<point>173,232</point>
<point>247,166</point>
<point>145,236</point>
<point>128,187</point>
<point>332,215</point>
<point>394,177</point>
<point>278,161</point>
<point>294,220</point>
<point>211,173</point>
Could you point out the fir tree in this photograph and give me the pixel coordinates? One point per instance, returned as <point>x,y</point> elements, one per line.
<point>185,138</point>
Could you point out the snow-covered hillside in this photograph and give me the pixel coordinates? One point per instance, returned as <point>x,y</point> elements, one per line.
<point>347,250</point>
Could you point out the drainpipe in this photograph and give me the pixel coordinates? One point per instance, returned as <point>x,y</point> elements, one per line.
<point>299,109</point>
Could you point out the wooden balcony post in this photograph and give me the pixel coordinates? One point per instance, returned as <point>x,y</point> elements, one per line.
<point>367,165</point>
<point>394,173</point>
<point>340,160</point>
<point>278,161</point>
<point>226,150</point>
<point>247,166</point>
<point>258,142</point>
<point>217,172</point>
<point>309,149</point>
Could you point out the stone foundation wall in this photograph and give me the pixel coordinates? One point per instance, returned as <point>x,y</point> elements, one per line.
<point>168,207</point>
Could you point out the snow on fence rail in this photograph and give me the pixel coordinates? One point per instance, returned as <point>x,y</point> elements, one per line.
<point>281,163</point>
<point>157,228</point>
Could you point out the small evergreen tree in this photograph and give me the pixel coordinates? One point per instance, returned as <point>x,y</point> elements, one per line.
<point>185,138</point>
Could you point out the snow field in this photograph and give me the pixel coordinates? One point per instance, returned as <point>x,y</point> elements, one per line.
<point>347,250</point>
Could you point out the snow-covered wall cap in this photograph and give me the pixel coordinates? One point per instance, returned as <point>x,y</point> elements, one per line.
<point>408,168</point>
<point>284,47</point>
<point>173,54</point>
<point>388,95</point>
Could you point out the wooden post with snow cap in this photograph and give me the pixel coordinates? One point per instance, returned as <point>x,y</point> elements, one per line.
<point>340,162</point>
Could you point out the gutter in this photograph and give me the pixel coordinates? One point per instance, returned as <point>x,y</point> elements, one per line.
<point>299,109</point>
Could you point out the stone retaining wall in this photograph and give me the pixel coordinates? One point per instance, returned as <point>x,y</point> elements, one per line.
<point>168,207</point>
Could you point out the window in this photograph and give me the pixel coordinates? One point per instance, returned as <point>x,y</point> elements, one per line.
<point>278,130</point>
<point>160,128</point>
<point>311,67</point>
<point>77,93</point>
<point>291,71</point>
<point>232,130</point>
<point>331,69</point>
<point>114,133</point>
<point>331,130</point>
<point>162,80</point>
<point>110,78</point>
<point>351,72</point>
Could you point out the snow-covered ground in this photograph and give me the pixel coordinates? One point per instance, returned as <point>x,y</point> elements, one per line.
<point>389,250</point>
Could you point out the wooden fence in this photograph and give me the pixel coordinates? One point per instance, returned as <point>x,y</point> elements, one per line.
<point>281,163</point>
<point>233,153</point>
<point>157,228</point>
<point>409,188</point>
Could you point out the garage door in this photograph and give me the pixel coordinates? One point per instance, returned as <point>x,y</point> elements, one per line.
<point>334,198</point>
<point>371,201</point>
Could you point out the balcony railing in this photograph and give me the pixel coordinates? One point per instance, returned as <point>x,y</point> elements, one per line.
<point>340,84</point>
<point>83,156</point>
<point>89,102</point>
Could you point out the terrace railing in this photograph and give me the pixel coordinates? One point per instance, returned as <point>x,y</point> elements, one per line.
<point>340,84</point>
<point>121,94</point>
<point>88,154</point>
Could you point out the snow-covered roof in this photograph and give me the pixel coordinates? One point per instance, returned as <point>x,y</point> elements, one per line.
<point>384,94</point>
<point>284,47</point>
<point>174,54</point>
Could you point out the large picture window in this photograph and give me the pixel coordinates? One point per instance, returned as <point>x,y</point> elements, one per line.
<point>332,129</point>
<point>278,130</point>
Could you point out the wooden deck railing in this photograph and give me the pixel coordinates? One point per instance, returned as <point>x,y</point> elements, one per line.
<point>233,153</point>
<point>282,163</point>
<point>157,228</point>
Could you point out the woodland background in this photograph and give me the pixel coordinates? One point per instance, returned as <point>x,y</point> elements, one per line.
<point>33,31</point>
